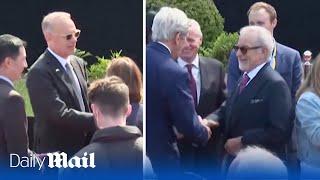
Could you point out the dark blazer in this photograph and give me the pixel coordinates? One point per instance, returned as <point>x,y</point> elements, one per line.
<point>59,123</point>
<point>118,153</point>
<point>288,64</point>
<point>13,122</point>
<point>212,95</point>
<point>170,104</point>
<point>261,113</point>
<point>212,86</point>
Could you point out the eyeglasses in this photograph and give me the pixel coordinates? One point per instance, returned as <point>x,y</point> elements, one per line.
<point>244,49</point>
<point>76,34</point>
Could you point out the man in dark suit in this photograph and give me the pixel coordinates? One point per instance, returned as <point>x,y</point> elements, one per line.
<point>208,75</point>
<point>258,111</point>
<point>283,59</point>
<point>170,108</point>
<point>13,120</point>
<point>57,85</point>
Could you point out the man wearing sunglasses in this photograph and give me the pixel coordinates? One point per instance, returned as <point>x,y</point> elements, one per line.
<point>258,111</point>
<point>57,85</point>
<point>283,59</point>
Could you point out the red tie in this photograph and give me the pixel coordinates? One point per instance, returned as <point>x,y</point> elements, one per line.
<point>244,81</point>
<point>192,84</point>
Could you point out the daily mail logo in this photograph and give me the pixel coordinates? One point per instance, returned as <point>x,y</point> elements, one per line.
<point>58,160</point>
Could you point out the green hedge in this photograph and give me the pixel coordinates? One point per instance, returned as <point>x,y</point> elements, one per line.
<point>203,11</point>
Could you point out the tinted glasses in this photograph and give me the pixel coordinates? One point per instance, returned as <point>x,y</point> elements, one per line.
<point>244,49</point>
<point>76,34</point>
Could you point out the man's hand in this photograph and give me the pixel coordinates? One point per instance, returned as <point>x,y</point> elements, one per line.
<point>233,145</point>
<point>210,123</point>
<point>204,123</point>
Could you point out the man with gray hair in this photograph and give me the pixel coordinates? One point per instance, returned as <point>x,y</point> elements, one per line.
<point>207,88</point>
<point>57,84</point>
<point>169,100</point>
<point>258,111</point>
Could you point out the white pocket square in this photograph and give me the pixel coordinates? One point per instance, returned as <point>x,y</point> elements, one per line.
<point>255,101</point>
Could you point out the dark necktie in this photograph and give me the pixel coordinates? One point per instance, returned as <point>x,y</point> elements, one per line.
<point>75,85</point>
<point>245,79</point>
<point>192,84</point>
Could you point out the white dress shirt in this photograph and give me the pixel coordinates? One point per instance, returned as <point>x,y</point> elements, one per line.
<point>195,72</point>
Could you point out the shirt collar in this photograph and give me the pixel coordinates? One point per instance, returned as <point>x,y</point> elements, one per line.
<point>61,60</point>
<point>195,62</point>
<point>255,71</point>
<point>6,79</point>
<point>164,46</point>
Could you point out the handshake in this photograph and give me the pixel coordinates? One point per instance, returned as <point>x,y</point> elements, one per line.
<point>208,124</point>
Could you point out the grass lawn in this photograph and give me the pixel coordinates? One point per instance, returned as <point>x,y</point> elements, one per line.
<point>20,86</point>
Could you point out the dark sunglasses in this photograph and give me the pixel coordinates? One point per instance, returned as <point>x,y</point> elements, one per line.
<point>75,34</point>
<point>244,49</point>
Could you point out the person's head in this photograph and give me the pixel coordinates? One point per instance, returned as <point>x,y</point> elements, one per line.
<point>109,99</point>
<point>254,47</point>
<point>263,14</point>
<point>12,56</point>
<point>194,39</point>
<point>307,55</point>
<point>128,71</point>
<point>312,81</point>
<point>170,26</point>
<point>60,33</point>
<point>256,163</point>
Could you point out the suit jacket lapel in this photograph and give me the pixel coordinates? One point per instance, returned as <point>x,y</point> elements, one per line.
<point>59,72</point>
<point>240,101</point>
<point>203,79</point>
<point>82,81</point>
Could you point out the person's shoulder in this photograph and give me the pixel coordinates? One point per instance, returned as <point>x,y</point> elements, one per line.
<point>286,49</point>
<point>14,99</point>
<point>309,96</point>
<point>78,60</point>
<point>210,61</point>
<point>273,75</point>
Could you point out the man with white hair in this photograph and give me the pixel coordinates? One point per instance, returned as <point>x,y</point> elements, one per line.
<point>256,163</point>
<point>169,100</point>
<point>258,111</point>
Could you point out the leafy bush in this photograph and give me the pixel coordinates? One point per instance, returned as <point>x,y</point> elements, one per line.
<point>20,87</point>
<point>203,11</point>
<point>222,47</point>
<point>99,69</point>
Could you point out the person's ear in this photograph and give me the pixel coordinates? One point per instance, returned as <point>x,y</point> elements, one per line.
<point>274,23</point>
<point>7,62</point>
<point>177,38</point>
<point>48,36</point>
<point>129,110</point>
<point>200,43</point>
<point>95,110</point>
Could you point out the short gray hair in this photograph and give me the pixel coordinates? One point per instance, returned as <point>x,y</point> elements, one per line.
<point>254,163</point>
<point>264,37</point>
<point>196,26</point>
<point>167,22</point>
<point>48,20</point>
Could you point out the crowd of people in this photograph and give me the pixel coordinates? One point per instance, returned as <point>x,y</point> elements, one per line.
<point>257,120</point>
<point>70,118</point>
<point>260,123</point>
